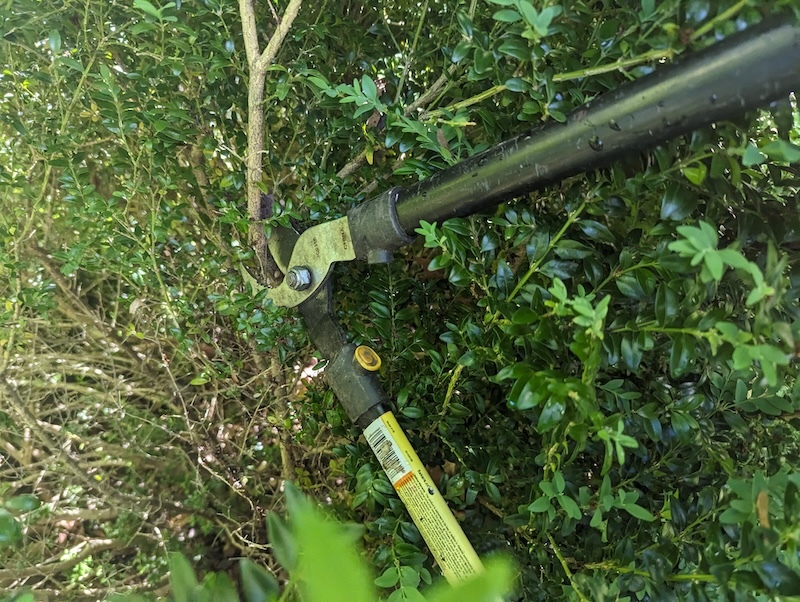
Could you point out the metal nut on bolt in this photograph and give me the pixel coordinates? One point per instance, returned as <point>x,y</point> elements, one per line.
<point>298,278</point>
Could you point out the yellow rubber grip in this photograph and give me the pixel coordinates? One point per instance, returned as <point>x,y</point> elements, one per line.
<point>428,509</point>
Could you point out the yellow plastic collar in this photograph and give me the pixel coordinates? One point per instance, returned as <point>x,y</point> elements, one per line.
<point>367,358</point>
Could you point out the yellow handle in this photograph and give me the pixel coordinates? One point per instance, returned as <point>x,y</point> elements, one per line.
<point>439,528</point>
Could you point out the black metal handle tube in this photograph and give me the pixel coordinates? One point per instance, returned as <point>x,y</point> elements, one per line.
<point>743,72</point>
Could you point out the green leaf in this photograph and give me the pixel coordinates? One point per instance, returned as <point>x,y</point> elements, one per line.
<point>666,305</point>
<point>596,231</point>
<point>464,23</point>
<point>695,174</point>
<point>220,588</point>
<point>439,262</point>
<point>678,203</point>
<point>492,584</point>
<point>461,50</point>
<point>147,7</point>
<point>542,504</point>
<point>181,578</point>
<point>198,380</point>
<point>541,21</point>
<point>412,412</point>
<point>752,156</point>
<point>388,578</point>
<point>631,353</point>
<point>504,277</point>
<point>552,413</point>
<point>530,14</point>
<point>282,541</point>
<point>558,289</point>
<point>329,565</point>
<point>714,265</point>
<point>409,577</point>
<point>514,372</point>
<point>406,594</point>
<point>468,359</point>
<point>71,63</point>
<point>296,502</point>
<point>547,488</point>
<point>682,354</point>
<point>570,507</point>
<point>515,47</point>
<point>780,150</point>
<point>144,27</point>
<point>54,40</point>
<point>483,61</point>
<point>639,512</point>
<point>527,393</point>
<point>524,315</point>
<point>779,578</point>
<point>506,16</point>
<point>629,286</point>
<point>22,503</point>
<point>258,584</point>
<point>10,530</point>
<point>791,502</point>
<point>369,88</point>
<point>516,84</point>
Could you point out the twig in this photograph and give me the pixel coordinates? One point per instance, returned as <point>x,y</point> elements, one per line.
<point>17,403</point>
<point>723,16</point>
<point>275,42</point>
<point>258,65</point>
<point>410,56</point>
<point>284,437</point>
<point>468,102</point>
<point>653,55</point>
<point>76,309</point>
<point>427,97</point>
<point>53,568</point>
<point>568,572</point>
<point>521,531</point>
<point>451,388</point>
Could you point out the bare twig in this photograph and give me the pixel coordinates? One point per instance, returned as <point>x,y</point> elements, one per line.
<point>21,409</point>
<point>258,65</point>
<point>77,310</point>
<point>410,56</point>
<point>86,549</point>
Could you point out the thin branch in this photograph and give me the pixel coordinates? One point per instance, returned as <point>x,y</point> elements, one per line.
<point>427,97</point>
<point>20,407</point>
<point>248,15</point>
<point>53,567</point>
<point>80,514</point>
<point>468,102</point>
<point>723,16</point>
<point>275,42</point>
<point>581,596</point>
<point>410,56</point>
<point>255,124</point>
<point>653,55</point>
<point>76,309</point>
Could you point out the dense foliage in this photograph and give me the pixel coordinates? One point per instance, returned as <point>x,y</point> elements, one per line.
<point>602,377</point>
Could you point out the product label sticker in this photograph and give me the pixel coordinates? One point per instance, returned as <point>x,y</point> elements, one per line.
<point>387,451</point>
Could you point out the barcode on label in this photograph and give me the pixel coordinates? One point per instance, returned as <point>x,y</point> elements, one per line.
<point>387,452</point>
